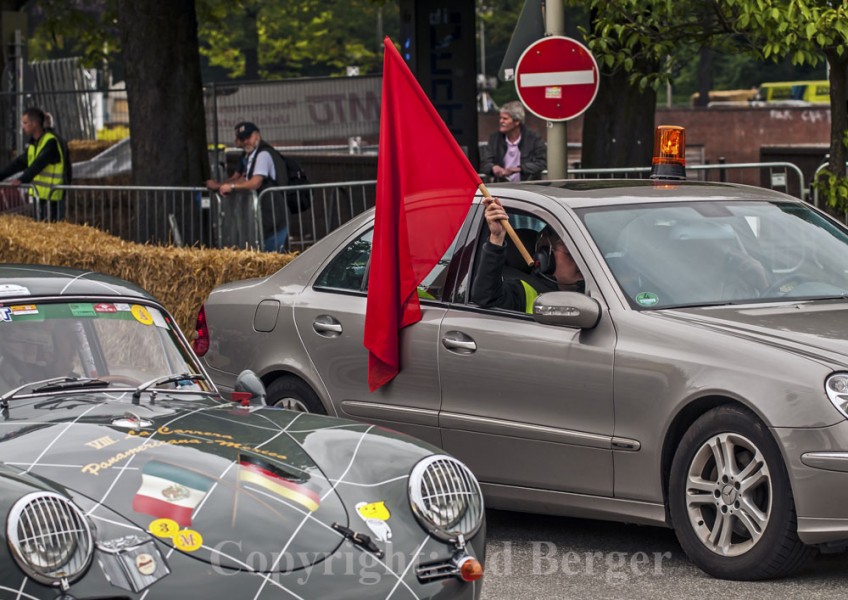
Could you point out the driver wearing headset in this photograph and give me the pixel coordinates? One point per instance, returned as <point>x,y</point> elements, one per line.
<point>555,268</point>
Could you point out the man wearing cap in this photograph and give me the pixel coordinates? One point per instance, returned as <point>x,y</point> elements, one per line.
<point>213,185</point>
<point>261,169</point>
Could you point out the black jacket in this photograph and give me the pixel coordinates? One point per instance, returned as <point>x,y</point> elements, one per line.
<point>534,155</point>
<point>489,288</point>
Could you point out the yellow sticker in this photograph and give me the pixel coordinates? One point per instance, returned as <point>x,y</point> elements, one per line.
<point>188,540</point>
<point>164,528</point>
<point>373,510</point>
<point>141,314</point>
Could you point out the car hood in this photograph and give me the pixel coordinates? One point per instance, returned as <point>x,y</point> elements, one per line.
<point>238,484</point>
<point>817,330</point>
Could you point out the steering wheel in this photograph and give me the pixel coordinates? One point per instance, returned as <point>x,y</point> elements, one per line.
<point>774,288</point>
<point>131,381</point>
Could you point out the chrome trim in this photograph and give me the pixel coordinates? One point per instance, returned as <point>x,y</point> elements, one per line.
<point>524,430</point>
<point>829,461</point>
<point>445,497</point>
<point>391,412</point>
<point>619,443</point>
<point>48,527</point>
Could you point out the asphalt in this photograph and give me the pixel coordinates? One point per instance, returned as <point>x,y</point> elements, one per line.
<point>538,556</point>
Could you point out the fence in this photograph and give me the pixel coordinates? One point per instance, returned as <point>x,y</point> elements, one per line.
<point>293,218</point>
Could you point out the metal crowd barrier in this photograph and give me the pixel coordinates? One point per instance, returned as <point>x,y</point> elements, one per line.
<point>280,218</point>
<point>779,175</point>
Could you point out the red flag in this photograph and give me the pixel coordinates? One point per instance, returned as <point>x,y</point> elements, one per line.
<point>425,185</point>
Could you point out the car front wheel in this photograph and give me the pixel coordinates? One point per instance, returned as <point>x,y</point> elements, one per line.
<point>293,394</point>
<point>730,499</point>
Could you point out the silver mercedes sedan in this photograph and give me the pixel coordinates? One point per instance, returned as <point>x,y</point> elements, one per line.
<point>698,379</point>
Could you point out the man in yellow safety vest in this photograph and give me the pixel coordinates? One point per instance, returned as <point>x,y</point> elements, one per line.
<point>43,165</point>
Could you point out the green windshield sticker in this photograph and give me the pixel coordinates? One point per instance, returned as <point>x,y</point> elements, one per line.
<point>646,299</point>
<point>82,310</point>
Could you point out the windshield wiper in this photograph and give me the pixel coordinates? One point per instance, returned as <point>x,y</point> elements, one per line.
<point>70,383</point>
<point>54,384</point>
<point>165,380</point>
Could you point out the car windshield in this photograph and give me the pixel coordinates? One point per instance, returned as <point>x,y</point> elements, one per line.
<point>117,343</point>
<point>702,253</point>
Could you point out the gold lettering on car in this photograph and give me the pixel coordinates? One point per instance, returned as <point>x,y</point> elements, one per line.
<point>95,468</point>
<point>101,443</point>
<point>165,430</point>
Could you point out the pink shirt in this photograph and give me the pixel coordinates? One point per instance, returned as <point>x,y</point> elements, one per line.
<point>512,158</point>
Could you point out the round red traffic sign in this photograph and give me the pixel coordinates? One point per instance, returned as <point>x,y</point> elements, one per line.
<point>556,78</point>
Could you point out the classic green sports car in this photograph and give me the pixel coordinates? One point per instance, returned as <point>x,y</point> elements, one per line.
<point>124,473</point>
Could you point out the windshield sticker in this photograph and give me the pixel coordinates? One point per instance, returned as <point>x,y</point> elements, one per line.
<point>646,299</point>
<point>141,314</point>
<point>5,314</point>
<point>375,515</point>
<point>82,310</point>
<point>11,289</point>
<point>158,319</point>
<point>105,308</point>
<point>25,309</point>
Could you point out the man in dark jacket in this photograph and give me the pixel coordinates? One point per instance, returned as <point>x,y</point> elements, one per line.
<point>514,153</point>
<point>264,168</point>
<point>555,268</point>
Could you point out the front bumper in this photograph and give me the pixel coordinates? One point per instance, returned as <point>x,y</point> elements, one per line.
<point>817,463</point>
<point>348,573</point>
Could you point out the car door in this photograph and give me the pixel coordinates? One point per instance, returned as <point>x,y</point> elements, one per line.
<point>330,317</point>
<point>526,404</point>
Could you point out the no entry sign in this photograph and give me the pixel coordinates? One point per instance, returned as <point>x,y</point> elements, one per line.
<point>556,78</point>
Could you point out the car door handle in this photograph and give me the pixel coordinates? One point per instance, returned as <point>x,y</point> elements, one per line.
<point>327,326</point>
<point>459,342</point>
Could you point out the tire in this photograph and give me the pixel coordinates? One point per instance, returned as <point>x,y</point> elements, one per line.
<point>737,521</point>
<point>293,394</point>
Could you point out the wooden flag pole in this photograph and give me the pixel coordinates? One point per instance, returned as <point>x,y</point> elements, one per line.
<point>510,231</point>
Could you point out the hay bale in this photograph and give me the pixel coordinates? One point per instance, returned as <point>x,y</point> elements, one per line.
<point>181,278</point>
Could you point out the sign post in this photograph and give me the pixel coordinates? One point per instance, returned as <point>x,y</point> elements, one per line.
<point>557,79</point>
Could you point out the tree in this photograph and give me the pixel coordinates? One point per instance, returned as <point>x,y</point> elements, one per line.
<point>805,30</point>
<point>279,38</point>
<point>164,92</point>
<point>633,41</point>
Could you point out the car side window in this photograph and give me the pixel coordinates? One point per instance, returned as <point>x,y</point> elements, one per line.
<point>347,270</point>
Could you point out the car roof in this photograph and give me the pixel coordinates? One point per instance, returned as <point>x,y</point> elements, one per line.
<point>583,193</point>
<point>21,281</point>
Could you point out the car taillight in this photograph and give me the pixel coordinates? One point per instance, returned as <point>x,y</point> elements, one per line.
<point>201,330</point>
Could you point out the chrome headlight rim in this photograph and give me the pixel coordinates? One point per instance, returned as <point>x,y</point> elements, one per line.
<point>438,480</point>
<point>836,388</point>
<point>67,526</point>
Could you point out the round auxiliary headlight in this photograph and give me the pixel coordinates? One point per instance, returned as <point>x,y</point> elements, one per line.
<point>50,538</point>
<point>445,497</point>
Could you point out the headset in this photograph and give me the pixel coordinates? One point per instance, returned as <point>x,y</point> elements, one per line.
<point>544,252</point>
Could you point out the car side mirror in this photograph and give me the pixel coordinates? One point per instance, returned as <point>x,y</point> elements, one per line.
<point>567,309</point>
<point>248,382</point>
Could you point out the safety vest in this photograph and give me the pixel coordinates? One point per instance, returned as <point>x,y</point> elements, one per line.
<point>529,296</point>
<point>51,175</point>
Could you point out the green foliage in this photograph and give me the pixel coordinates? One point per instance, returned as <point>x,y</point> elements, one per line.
<point>309,37</point>
<point>67,28</point>
<point>834,189</point>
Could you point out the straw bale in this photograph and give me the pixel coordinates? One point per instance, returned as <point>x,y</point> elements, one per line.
<point>180,278</point>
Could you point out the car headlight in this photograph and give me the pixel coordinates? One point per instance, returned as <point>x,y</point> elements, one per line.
<point>50,538</point>
<point>837,390</point>
<point>446,497</point>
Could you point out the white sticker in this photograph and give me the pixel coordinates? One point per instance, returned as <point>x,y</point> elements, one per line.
<point>12,289</point>
<point>5,314</point>
<point>158,319</point>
